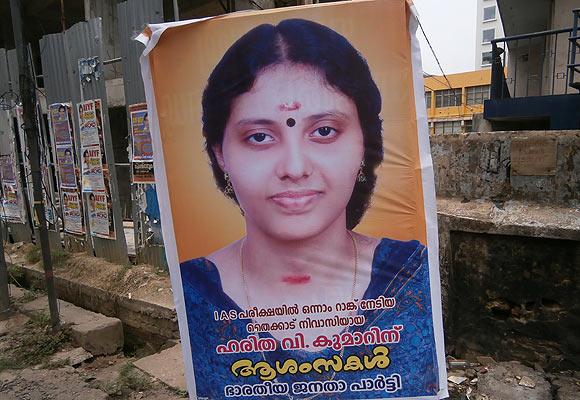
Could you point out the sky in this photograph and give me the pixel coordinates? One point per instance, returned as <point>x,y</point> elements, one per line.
<point>450,27</point>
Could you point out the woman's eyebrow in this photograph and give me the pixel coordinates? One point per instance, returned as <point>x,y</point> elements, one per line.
<point>257,121</point>
<point>327,114</point>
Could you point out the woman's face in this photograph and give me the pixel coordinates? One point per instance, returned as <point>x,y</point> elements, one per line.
<point>292,147</point>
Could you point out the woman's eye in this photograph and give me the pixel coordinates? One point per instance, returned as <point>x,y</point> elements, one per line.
<point>325,132</point>
<point>260,138</point>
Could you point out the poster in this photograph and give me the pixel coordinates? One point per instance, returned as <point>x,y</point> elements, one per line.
<point>72,212</point>
<point>100,217</point>
<point>61,124</point>
<point>297,200</point>
<point>92,169</point>
<point>140,135</point>
<point>143,172</point>
<point>66,167</point>
<point>88,123</point>
<point>7,171</point>
<point>11,203</point>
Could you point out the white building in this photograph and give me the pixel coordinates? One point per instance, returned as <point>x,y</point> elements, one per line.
<point>488,27</point>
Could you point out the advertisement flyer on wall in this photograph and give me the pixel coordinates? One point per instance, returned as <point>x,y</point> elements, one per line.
<point>100,217</point>
<point>72,212</point>
<point>297,200</point>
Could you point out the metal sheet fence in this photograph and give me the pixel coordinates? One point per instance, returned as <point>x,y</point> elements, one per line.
<point>133,16</point>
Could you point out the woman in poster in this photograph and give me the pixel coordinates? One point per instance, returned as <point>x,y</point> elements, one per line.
<point>293,133</point>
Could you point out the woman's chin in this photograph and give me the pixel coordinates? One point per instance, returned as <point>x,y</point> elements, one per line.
<point>294,229</point>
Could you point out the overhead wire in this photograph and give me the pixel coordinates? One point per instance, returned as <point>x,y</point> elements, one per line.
<point>447,82</point>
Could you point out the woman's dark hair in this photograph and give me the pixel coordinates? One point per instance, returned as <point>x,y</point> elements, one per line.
<point>302,42</point>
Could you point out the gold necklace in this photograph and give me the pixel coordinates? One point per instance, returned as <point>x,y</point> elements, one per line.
<point>247,293</point>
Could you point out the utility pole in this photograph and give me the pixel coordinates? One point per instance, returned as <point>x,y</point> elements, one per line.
<point>4,296</point>
<point>28,96</point>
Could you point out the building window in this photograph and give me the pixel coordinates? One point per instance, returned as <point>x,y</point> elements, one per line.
<point>489,13</point>
<point>448,98</point>
<point>486,58</point>
<point>477,94</point>
<point>428,99</point>
<point>488,35</point>
<point>468,125</point>
<point>446,127</point>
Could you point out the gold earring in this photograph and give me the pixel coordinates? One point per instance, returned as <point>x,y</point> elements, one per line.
<point>361,175</point>
<point>228,190</point>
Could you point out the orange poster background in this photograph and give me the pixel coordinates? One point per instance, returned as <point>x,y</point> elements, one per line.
<point>203,219</point>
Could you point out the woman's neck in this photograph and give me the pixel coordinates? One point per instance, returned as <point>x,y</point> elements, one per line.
<point>326,258</point>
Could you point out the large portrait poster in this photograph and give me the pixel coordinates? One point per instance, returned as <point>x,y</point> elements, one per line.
<point>296,194</point>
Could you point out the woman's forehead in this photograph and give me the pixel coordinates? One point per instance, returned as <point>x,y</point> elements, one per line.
<point>290,88</point>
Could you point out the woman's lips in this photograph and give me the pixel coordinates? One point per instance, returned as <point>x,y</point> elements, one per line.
<point>296,201</point>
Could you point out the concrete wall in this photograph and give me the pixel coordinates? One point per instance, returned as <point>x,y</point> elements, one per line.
<point>509,233</point>
<point>478,166</point>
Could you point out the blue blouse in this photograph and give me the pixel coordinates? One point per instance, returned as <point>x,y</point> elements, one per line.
<point>400,270</point>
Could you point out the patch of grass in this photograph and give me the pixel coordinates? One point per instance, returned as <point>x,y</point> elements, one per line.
<point>122,272</point>
<point>34,344</point>
<point>161,272</point>
<point>130,379</point>
<point>34,254</point>
<point>59,257</point>
<point>30,295</point>
<point>180,393</point>
<point>16,275</point>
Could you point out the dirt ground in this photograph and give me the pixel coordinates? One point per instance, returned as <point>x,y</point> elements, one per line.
<point>28,370</point>
<point>143,282</point>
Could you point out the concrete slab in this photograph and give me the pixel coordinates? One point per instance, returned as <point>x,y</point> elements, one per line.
<point>72,357</point>
<point>96,333</point>
<point>16,293</point>
<point>167,366</point>
<point>14,322</point>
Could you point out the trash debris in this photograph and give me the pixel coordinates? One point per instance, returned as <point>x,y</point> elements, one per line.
<point>527,382</point>
<point>458,380</point>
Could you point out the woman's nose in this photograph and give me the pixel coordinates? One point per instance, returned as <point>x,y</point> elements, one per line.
<point>294,162</point>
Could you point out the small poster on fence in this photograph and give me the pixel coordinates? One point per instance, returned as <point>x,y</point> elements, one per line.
<point>7,171</point>
<point>92,169</point>
<point>143,172</point>
<point>66,167</point>
<point>61,124</point>
<point>140,134</point>
<point>88,123</point>
<point>72,212</point>
<point>100,215</point>
<point>12,207</point>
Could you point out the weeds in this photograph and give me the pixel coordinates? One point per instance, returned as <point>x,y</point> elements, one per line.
<point>58,257</point>
<point>130,379</point>
<point>30,295</point>
<point>34,344</point>
<point>34,255</point>
<point>120,274</point>
<point>16,275</point>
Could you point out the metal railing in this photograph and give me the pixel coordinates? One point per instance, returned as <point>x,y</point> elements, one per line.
<point>573,66</point>
<point>536,60</point>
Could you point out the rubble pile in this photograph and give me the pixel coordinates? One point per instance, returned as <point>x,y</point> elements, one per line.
<point>486,379</point>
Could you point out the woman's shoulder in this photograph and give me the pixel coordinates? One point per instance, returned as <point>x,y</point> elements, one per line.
<point>399,251</point>
<point>395,263</point>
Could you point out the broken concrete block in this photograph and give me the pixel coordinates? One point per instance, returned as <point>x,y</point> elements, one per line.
<point>72,357</point>
<point>167,366</point>
<point>527,382</point>
<point>458,380</point>
<point>96,333</point>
